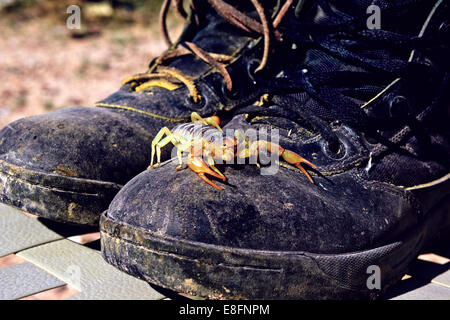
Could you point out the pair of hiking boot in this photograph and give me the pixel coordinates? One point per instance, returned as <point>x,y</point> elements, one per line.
<point>369,108</point>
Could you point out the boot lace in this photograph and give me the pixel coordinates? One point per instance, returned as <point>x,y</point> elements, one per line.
<point>343,94</point>
<point>170,78</point>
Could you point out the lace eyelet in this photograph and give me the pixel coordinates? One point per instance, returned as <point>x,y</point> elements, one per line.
<point>369,139</point>
<point>233,94</point>
<point>252,65</point>
<point>335,152</point>
<point>335,124</point>
<point>444,28</point>
<point>200,104</point>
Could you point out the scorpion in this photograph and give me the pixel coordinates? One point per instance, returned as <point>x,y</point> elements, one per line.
<point>204,141</point>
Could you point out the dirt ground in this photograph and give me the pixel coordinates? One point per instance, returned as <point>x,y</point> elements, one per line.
<point>43,68</point>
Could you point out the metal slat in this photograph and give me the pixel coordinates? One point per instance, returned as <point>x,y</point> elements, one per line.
<point>24,279</point>
<point>428,291</point>
<point>432,272</point>
<point>85,270</point>
<point>19,232</point>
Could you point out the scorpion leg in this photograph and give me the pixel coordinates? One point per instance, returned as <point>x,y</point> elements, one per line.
<point>158,142</point>
<point>200,167</point>
<point>180,149</point>
<point>211,164</point>
<point>213,121</point>
<point>247,149</point>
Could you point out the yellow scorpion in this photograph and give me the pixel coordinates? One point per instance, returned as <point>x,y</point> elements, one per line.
<point>198,138</point>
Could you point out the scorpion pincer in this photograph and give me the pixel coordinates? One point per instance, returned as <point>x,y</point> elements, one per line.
<point>204,142</point>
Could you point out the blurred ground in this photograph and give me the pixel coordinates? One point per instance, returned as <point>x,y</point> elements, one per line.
<point>45,66</point>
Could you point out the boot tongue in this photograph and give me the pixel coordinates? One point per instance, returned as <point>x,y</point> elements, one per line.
<point>218,35</point>
<point>215,36</point>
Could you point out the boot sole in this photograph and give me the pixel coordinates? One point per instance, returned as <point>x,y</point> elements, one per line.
<point>59,198</point>
<point>220,272</point>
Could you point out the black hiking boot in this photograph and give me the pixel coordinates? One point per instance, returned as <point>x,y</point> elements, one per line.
<point>68,165</point>
<point>370,108</point>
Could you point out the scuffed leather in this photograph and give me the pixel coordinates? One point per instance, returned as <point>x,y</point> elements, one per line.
<point>285,212</point>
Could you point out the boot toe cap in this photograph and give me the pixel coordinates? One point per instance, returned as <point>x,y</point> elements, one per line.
<point>81,142</point>
<point>283,212</point>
